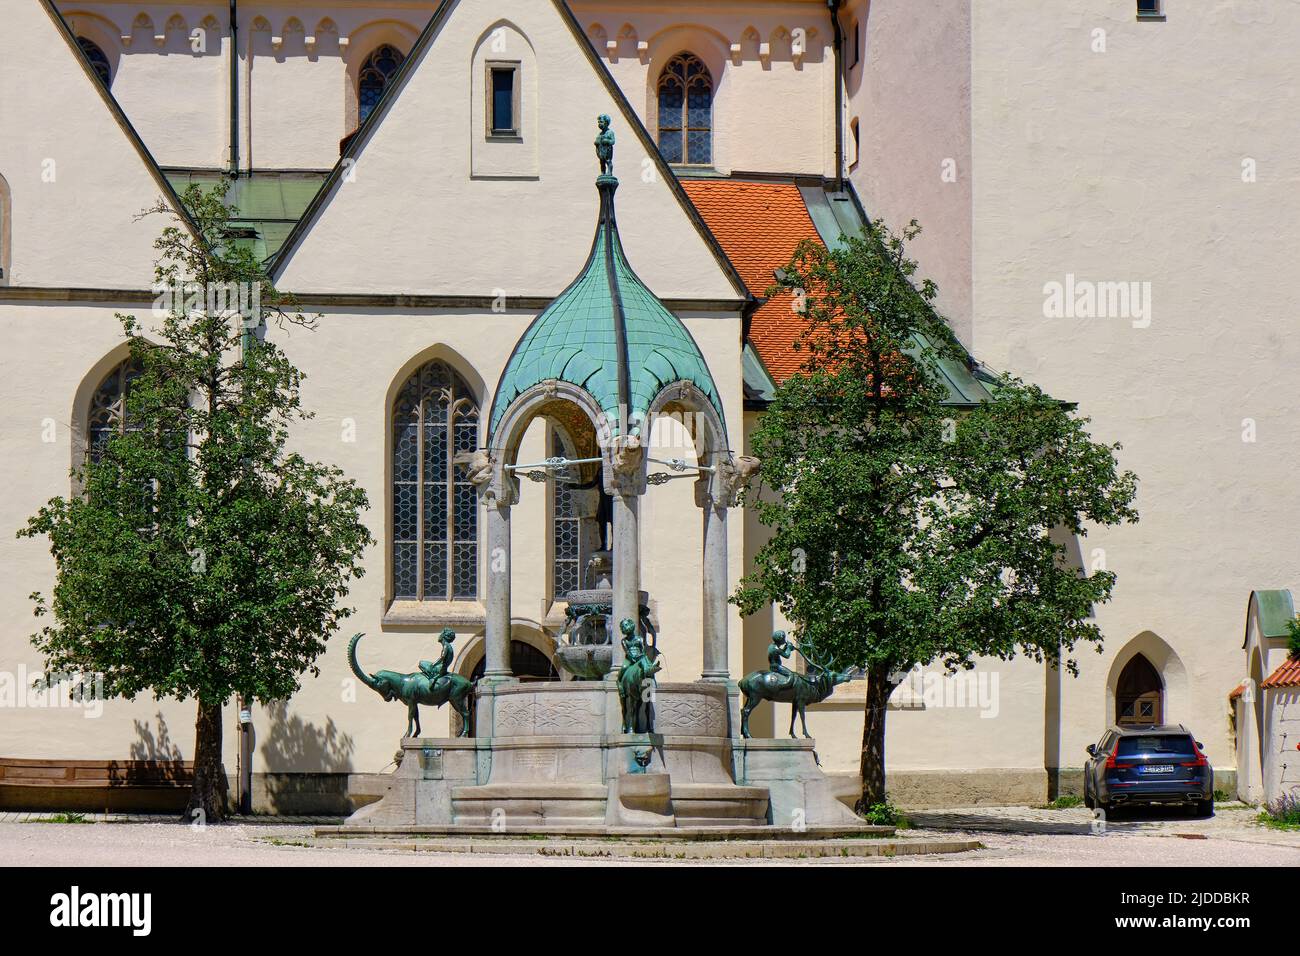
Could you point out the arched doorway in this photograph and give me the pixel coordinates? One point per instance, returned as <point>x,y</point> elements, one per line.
<point>1139,693</point>
<point>527,662</point>
<point>529,665</point>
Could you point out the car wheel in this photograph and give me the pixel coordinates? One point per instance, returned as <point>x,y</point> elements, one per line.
<point>1204,808</point>
<point>1088,802</point>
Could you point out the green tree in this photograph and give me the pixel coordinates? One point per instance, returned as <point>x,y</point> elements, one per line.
<point>906,532</point>
<point>201,559</point>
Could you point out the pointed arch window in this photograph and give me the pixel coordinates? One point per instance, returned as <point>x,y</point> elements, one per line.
<point>108,407</point>
<point>686,111</point>
<point>98,61</point>
<point>435,507</point>
<point>376,73</point>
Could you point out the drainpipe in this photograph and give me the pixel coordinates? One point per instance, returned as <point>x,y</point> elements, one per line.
<point>834,7</point>
<point>234,88</point>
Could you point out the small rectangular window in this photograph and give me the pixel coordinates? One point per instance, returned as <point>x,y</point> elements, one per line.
<point>503,99</point>
<point>1150,9</point>
<point>857,45</point>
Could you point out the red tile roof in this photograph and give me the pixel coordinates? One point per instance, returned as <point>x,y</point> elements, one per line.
<point>1287,675</point>
<point>759,225</point>
<point>1237,691</point>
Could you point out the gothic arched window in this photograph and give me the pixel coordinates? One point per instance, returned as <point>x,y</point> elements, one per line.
<point>376,73</point>
<point>435,508</point>
<point>686,111</point>
<point>108,407</point>
<point>98,61</point>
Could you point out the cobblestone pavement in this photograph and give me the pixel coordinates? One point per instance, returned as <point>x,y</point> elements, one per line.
<point>1012,836</point>
<point>1230,821</point>
<point>1036,836</point>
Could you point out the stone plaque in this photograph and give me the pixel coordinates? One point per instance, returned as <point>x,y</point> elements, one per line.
<point>536,763</point>
<point>431,763</point>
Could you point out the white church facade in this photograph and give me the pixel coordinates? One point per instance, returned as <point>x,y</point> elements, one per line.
<point>420,174</point>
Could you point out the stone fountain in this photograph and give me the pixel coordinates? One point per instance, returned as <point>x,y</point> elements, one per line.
<point>601,360</point>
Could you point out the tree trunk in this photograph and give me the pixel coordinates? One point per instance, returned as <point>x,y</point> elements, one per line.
<point>872,764</point>
<point>208,798</point>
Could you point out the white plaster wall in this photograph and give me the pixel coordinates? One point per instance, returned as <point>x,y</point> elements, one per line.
<point>770,115</point>
<point>1127,166</point>
<point>76,184</point>
<point>411,187</point>
<point>296,104</point>
<point>176,96</point>
<point>911,96</point>
<point>50,351</point>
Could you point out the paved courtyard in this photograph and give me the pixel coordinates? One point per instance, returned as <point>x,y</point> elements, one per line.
<point>1011,836</point>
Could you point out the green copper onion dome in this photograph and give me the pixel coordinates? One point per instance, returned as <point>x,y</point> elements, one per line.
<point>607,332</point>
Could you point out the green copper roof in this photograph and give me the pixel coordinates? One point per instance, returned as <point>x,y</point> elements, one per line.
<point>269,202</point>
<point>1276,611</point>
<point>608,334</point>
<point>835,215</point>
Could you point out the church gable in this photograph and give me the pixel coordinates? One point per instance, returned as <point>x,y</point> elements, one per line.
<point>474,176</point>
<point>73,174</point>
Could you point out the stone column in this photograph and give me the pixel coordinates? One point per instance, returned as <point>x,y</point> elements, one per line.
<point>715,591</point>
<point>625,483</point>
<point>627,565</point>
<point>497,630</point>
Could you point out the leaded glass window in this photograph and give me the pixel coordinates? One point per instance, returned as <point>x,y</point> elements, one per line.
<point>565,526</point>
<point>108,408</point>
<point>376,73</point>
<point>686,111</point>
<point>435,507</point>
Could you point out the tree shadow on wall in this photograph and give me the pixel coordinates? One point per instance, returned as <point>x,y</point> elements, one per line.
<point>311,752</point>
<point>155,760</point>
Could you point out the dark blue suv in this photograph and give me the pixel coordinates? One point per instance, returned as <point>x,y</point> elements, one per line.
<point>1148,763</point>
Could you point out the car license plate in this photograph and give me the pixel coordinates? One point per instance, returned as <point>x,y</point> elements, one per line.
<point>1158,768</point>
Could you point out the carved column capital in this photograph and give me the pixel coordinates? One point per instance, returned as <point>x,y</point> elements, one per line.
<point>495,486</point>
<point>731,477</point>
<point>625,475</point>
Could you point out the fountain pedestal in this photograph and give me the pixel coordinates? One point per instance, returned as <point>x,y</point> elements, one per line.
<point>551,755</point>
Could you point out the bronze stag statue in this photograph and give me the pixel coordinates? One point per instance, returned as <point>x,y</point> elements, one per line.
<point>783,686</point>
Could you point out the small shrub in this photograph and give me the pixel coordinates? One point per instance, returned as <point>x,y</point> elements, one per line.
<point>63,818</point>
<point>1283,813</point>
<point>1066,801</point>
<point>884,815</point>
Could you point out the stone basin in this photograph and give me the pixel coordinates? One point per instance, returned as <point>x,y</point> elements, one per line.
<point>601,596</point>
<point>589,659</point>
<point>585,661</point>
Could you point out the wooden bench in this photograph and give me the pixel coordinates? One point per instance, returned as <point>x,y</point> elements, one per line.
<point>95,785</point>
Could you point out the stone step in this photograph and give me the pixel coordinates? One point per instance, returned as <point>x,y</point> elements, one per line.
<point>517,805</point>
<point>705,847</point>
